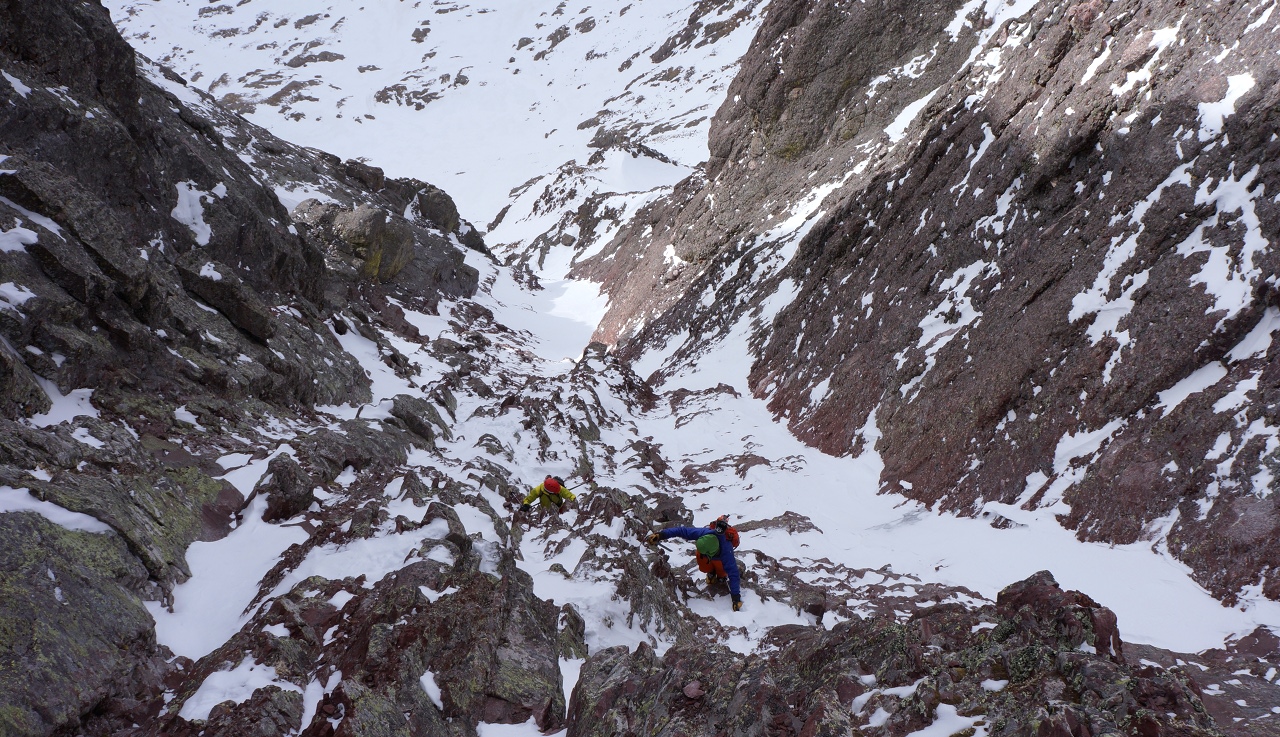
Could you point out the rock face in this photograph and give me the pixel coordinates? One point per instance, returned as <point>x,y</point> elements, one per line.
<point>73,631</point>
<point>157,301</point>
<point>1041,661</point>
<point>1022,251</point>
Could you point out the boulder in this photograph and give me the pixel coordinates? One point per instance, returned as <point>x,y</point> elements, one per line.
<point>370,176</point>
<point>436,205</point>
<point>270,712</point>
<point>20,394</point>
<point>288,487</point>
<point>420,416</point>
<point>384,244</point>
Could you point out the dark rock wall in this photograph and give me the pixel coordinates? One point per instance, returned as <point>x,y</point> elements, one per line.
<point>146,263</point>
<point>797,114</point>
<point>1079,218</point>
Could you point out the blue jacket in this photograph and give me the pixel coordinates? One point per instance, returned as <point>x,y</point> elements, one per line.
<point>725,556</point>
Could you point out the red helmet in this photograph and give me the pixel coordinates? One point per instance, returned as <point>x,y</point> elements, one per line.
<point>551,485</point>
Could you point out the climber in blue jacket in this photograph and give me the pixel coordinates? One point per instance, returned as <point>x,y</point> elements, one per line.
<point>715,553</point>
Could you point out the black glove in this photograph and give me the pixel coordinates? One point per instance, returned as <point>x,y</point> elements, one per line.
<point>652,538</point>
<point>524,507</point>
<point>737,603</point>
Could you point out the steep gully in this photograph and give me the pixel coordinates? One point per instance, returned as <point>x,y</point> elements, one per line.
<point>375,452</point>
<point>1025,253</point>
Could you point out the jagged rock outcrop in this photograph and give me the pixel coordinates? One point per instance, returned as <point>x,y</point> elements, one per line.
<point>1041,661</point>
<point>288,487</point>
<point>1024,251</point>
<point>453,638</point>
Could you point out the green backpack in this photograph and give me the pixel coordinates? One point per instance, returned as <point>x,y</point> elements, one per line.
<point>708,545</point>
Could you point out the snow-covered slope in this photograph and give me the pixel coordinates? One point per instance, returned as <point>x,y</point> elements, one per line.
<point>527,104</point>
<point>809,519</point>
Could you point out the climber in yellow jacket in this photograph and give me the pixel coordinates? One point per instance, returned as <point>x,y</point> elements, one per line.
<point>550,493</point>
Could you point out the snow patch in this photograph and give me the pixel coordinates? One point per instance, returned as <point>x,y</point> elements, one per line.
<point>64,406</point>
<point>236,685</point>
<point>190,210</point>
<point>182,414</point>
<point>1096,63</point>
<point>1258,342</point>
<point>897,130</point>
<point>17,84</point>
<point>947,721</point>
<point>14,295</point>
<point>17,238</point>
<point>1199,380</point>
<point>1212,114</point>
<point>428,681</point>
<point>209,271</point>
<point>1229,275</point>
<point>21,500</point>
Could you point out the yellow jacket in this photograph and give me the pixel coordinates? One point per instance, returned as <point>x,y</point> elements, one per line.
<point>547,498</point>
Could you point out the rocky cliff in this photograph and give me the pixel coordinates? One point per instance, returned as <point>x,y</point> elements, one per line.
<point>1021,250</point>
<point>160,308</point>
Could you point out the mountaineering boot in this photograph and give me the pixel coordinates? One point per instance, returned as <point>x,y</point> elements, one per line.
<point>711,579</point>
